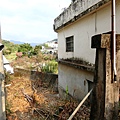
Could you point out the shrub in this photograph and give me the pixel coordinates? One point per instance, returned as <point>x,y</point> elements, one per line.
<point>50,67</point>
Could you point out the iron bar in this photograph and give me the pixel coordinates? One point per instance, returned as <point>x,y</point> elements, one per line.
<point>114,38</point>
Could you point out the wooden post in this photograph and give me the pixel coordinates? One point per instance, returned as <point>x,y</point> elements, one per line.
<point>105,98</point>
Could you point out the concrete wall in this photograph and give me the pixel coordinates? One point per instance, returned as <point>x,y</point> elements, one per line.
<point>75,9</point>
<point>2,91</point>
<point>83,29</point>
<point>49,78</point>
<point>75,79</point>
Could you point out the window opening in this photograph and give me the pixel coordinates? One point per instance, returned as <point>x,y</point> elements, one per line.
<point>70,44</point>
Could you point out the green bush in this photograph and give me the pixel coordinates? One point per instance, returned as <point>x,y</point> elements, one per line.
<point>9,47</point>
<point>6,52</point>
<point>25,48</point>
<point>46,57</point>
<point>37,49</point>
<point>50,67</point>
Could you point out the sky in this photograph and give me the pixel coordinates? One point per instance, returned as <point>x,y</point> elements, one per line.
<point>30,21</point>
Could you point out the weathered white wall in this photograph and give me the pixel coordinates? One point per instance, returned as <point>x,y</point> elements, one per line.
<point>75,9</point>
<point>95,23</point>
<point>75,79</point>
<point>82,41</point>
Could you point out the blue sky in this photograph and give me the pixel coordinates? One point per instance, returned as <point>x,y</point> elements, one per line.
<point>30,21</point>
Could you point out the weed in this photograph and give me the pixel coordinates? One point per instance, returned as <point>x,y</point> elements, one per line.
<point>7,77</point>
<point>8,108</point>
<point>67,94</point>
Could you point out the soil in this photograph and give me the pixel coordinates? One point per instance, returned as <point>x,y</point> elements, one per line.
<point>26,101</point>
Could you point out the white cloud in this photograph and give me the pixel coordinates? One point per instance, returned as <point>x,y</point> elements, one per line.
<point>28,20</point>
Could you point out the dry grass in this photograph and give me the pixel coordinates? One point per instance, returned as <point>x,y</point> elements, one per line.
<point>21,109</point>
<point>45,104</point>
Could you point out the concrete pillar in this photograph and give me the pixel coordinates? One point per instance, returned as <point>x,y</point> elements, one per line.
<point>105,98</point>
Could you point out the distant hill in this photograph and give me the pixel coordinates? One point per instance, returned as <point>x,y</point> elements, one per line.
<point>18,42</point>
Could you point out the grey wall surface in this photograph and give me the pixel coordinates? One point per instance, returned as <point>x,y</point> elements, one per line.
<point>75,80</point>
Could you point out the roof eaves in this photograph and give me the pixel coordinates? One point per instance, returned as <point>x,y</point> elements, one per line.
<point>76,17</point>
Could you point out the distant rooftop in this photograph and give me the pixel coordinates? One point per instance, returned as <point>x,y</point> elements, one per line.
<point>55,40</point>
<point>76,10</point>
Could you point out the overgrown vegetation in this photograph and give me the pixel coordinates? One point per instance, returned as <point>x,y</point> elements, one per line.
<point>8,77</point>
<point>9,47</point>
<point>79,61</point>
<point>25,48</point>
<point>32,58</point>
<point>50,67</point>
<point>8,108</point>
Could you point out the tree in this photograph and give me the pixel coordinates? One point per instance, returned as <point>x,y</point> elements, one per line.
<point>9,47</point>
<point>37,49</point>
<point>25,48</point>
<point>46,45</point>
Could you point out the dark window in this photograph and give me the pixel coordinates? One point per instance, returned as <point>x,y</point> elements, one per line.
<point>70,44</point>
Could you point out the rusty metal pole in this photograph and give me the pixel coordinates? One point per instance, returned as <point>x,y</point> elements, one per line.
<point>113,27</point>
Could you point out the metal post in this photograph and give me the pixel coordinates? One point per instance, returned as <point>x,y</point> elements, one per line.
<point>113,38</point>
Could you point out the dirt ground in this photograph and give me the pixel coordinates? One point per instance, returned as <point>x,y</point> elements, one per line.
<point>34,100</point>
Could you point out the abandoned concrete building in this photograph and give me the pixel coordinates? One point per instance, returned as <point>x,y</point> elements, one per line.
<point>75,26</point>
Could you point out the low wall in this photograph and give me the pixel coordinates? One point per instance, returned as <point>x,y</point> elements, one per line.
<point>51,79</point>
